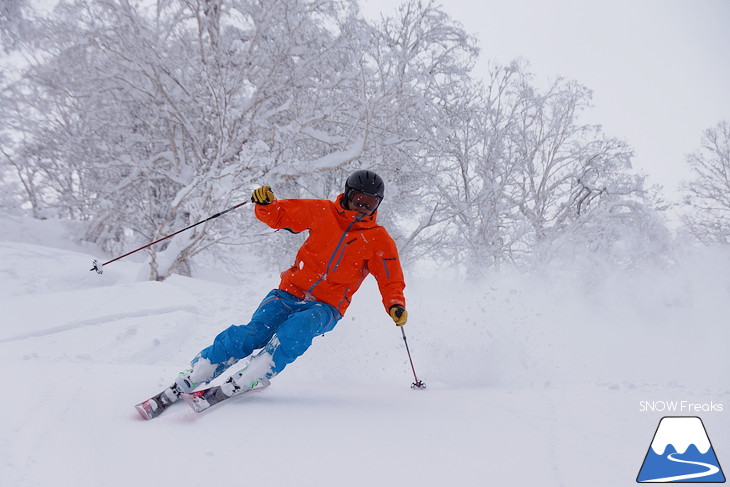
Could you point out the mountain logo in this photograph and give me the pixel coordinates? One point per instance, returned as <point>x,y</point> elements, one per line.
<point>681,452</point>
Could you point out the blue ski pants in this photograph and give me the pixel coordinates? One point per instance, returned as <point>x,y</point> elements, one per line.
<point>283,326</point>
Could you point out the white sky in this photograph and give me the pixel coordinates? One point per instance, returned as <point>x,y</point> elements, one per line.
<point>659,69</point>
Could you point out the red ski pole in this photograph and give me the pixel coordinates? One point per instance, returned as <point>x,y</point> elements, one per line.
<point>98,267</point>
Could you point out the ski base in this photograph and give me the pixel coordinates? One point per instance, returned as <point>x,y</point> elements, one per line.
<point>203,399</point>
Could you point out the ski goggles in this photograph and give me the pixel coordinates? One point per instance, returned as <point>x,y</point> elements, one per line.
<point>364,200</point>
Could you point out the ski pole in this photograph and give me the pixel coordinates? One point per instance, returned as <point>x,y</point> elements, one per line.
<point>418,384</point>
<point>98,267</point>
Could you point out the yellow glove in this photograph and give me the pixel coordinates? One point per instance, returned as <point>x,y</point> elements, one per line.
<point>399,314</point>
<point>263,195</point>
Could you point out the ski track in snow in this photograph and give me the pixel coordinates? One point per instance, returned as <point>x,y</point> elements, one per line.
<point>100,321</point>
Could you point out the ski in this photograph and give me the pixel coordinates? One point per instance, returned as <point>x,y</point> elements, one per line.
<point>154,406</point>
<point>203,399</point>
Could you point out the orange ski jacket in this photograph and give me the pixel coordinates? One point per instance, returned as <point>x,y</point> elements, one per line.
<point>342,248</point>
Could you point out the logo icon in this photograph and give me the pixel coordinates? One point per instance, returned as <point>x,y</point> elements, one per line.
<point>681,452</point>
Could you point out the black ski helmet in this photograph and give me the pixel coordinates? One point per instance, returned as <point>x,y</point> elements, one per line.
<point>364,181</point>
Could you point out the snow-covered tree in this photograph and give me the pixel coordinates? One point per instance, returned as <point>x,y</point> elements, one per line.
<point>12,23</point>
<point>173,112</point>
<point>708,195</point>
<point>522,170</point>
<point>141,118</point>
<point>419,67</point>
<point>478,167</point>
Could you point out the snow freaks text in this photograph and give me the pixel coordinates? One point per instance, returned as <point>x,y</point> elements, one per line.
<point>680,407</point>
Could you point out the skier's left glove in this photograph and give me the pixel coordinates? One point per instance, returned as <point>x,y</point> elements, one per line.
<point>399,314</point>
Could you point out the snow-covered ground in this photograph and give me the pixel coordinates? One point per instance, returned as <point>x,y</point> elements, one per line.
<point>531,381</point>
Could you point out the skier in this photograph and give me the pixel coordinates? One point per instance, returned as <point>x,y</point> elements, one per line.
<point>344,245</point>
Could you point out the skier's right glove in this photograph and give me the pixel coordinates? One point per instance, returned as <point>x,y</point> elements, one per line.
<point>263,195</point>
<point>399,314</point>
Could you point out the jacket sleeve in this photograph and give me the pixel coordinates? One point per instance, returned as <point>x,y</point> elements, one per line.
<point>295,215</point>
<point>386,268</point>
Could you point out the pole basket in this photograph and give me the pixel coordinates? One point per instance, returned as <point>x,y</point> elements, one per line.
<point>419,385</point>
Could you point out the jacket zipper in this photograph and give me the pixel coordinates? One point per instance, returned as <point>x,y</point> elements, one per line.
<point>337,249</point>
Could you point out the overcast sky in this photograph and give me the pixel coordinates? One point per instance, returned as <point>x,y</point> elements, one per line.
<point>659,69</point>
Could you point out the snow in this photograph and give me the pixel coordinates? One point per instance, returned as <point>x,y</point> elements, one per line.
<point>531,380</point>
<point>329,161</point>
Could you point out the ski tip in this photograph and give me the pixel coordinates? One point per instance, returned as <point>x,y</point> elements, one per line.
<point>151,408</point>
<point>146,412</point>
